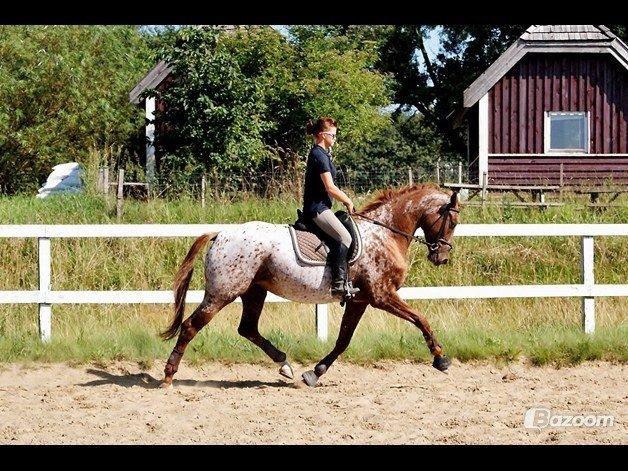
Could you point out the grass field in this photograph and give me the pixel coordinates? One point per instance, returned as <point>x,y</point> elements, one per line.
<point>543,330</point>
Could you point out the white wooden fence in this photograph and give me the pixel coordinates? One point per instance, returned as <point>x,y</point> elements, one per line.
<point>588,290</point>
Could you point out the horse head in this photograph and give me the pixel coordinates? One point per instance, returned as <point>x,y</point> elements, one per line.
<point>438,222</point>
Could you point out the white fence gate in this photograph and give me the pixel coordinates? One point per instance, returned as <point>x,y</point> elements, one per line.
<point>588,290</point>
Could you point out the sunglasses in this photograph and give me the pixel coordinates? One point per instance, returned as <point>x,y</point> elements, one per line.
<point>333,136</point>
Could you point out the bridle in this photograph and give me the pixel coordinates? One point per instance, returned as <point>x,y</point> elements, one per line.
<point>439,240</point>
<point>433,247</point>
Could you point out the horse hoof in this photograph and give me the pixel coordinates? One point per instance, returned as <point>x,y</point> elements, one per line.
<point>441,363</point>
<point>166,385</point>
<point>286,370</point>
<point>310,378</point>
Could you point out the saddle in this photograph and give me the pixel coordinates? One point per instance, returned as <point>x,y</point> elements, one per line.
<point>312,245</point>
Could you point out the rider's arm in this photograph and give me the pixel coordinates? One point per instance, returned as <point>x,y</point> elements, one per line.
<point>336,192</point>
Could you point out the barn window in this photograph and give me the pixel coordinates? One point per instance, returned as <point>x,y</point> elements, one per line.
<point>566,132</point>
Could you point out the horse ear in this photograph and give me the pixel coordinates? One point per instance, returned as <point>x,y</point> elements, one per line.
<point>453,202</point>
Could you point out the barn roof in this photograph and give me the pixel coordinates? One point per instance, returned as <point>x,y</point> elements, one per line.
<point>150,80</point>
<point>548,38</point>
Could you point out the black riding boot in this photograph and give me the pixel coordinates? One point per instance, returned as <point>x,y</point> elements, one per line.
<point>340,283</point>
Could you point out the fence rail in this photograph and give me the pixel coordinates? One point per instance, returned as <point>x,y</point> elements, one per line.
<point>46,297</point>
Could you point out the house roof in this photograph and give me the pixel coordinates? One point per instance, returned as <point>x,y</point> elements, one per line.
<point>548,38</point>
<point>567,33</point>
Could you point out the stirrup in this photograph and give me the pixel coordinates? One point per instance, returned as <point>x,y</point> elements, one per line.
<point>348,292</point>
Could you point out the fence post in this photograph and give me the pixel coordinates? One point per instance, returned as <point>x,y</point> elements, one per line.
<point>460,171</point>
<point>562,182</point>
<point>100,185</point>
<point>106,180</point>
<point>438,171</point>
<point>484,185</point>
<point>203,186</point>
<point>45,310</point>
<point>150,145</point>
<point>120,194</point>
<point>410,179</point>
<point>588,302</point>
<point>321,322</point>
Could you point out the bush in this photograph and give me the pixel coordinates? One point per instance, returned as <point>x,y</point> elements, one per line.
<point>63,90</point>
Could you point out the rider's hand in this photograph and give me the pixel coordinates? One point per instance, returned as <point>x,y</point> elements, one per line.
<point>350,207</point>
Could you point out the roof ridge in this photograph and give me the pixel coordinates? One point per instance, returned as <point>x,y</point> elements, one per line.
<point>566,33</point>
<point>547,38</point>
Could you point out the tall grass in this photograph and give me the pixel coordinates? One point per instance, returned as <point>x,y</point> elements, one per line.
<point>544,330</point>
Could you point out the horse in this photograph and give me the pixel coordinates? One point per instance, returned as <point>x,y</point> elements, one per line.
<point>253,258</point>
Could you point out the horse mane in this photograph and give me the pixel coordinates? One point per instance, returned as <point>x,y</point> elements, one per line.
<point>385,196</point>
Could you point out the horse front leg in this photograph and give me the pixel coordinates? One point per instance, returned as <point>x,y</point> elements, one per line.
<point>350,318</point>
<point>391,302</point>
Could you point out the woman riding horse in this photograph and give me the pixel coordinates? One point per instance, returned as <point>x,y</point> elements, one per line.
<point>319,188</point>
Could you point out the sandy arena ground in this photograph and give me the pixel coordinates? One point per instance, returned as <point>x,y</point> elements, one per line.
<point>390,402</point>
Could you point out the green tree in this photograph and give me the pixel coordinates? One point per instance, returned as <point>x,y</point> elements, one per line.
<point>341,82</point>
<point>64,89</point>
<point>382,160</point>
<point>435,86</point>
<point>240,100</point>
<point>344,38</point>
<point>215,113</point>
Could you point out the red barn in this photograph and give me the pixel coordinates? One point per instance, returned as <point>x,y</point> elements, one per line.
<point>558,95</point>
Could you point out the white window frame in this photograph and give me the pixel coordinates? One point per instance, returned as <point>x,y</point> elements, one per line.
<point>547,130</point>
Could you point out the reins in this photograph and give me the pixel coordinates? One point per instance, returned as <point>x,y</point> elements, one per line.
<point>432,246</point>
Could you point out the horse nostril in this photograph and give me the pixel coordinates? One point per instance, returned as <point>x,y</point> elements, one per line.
<point>445,261</point>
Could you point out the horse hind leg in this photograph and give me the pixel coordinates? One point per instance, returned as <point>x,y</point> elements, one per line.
<point>189,328</point>
<point>252,305</point>
<point>350,319</point>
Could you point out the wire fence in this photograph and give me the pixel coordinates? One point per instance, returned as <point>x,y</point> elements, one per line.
<point>278,182</point>
<point>360,181</point>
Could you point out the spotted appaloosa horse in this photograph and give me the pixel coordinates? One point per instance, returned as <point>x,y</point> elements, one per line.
<point>250,259</point>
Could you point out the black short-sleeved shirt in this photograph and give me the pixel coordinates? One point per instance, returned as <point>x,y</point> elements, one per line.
<point>315,196</point>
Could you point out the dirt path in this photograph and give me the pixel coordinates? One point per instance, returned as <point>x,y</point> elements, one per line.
<point>391,402</point>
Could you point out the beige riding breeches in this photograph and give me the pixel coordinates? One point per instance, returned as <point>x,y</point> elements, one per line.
<point>329,223</point>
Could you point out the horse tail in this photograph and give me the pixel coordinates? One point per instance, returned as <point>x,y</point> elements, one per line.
<point>182,283</point>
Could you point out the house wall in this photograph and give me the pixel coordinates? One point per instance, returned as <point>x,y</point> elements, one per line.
<point>595,83</point>
<point>545,170</point>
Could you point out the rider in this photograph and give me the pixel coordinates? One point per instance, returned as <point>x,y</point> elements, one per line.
<point>318,190</point>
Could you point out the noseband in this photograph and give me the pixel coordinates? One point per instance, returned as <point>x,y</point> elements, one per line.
<point>431,246</point>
